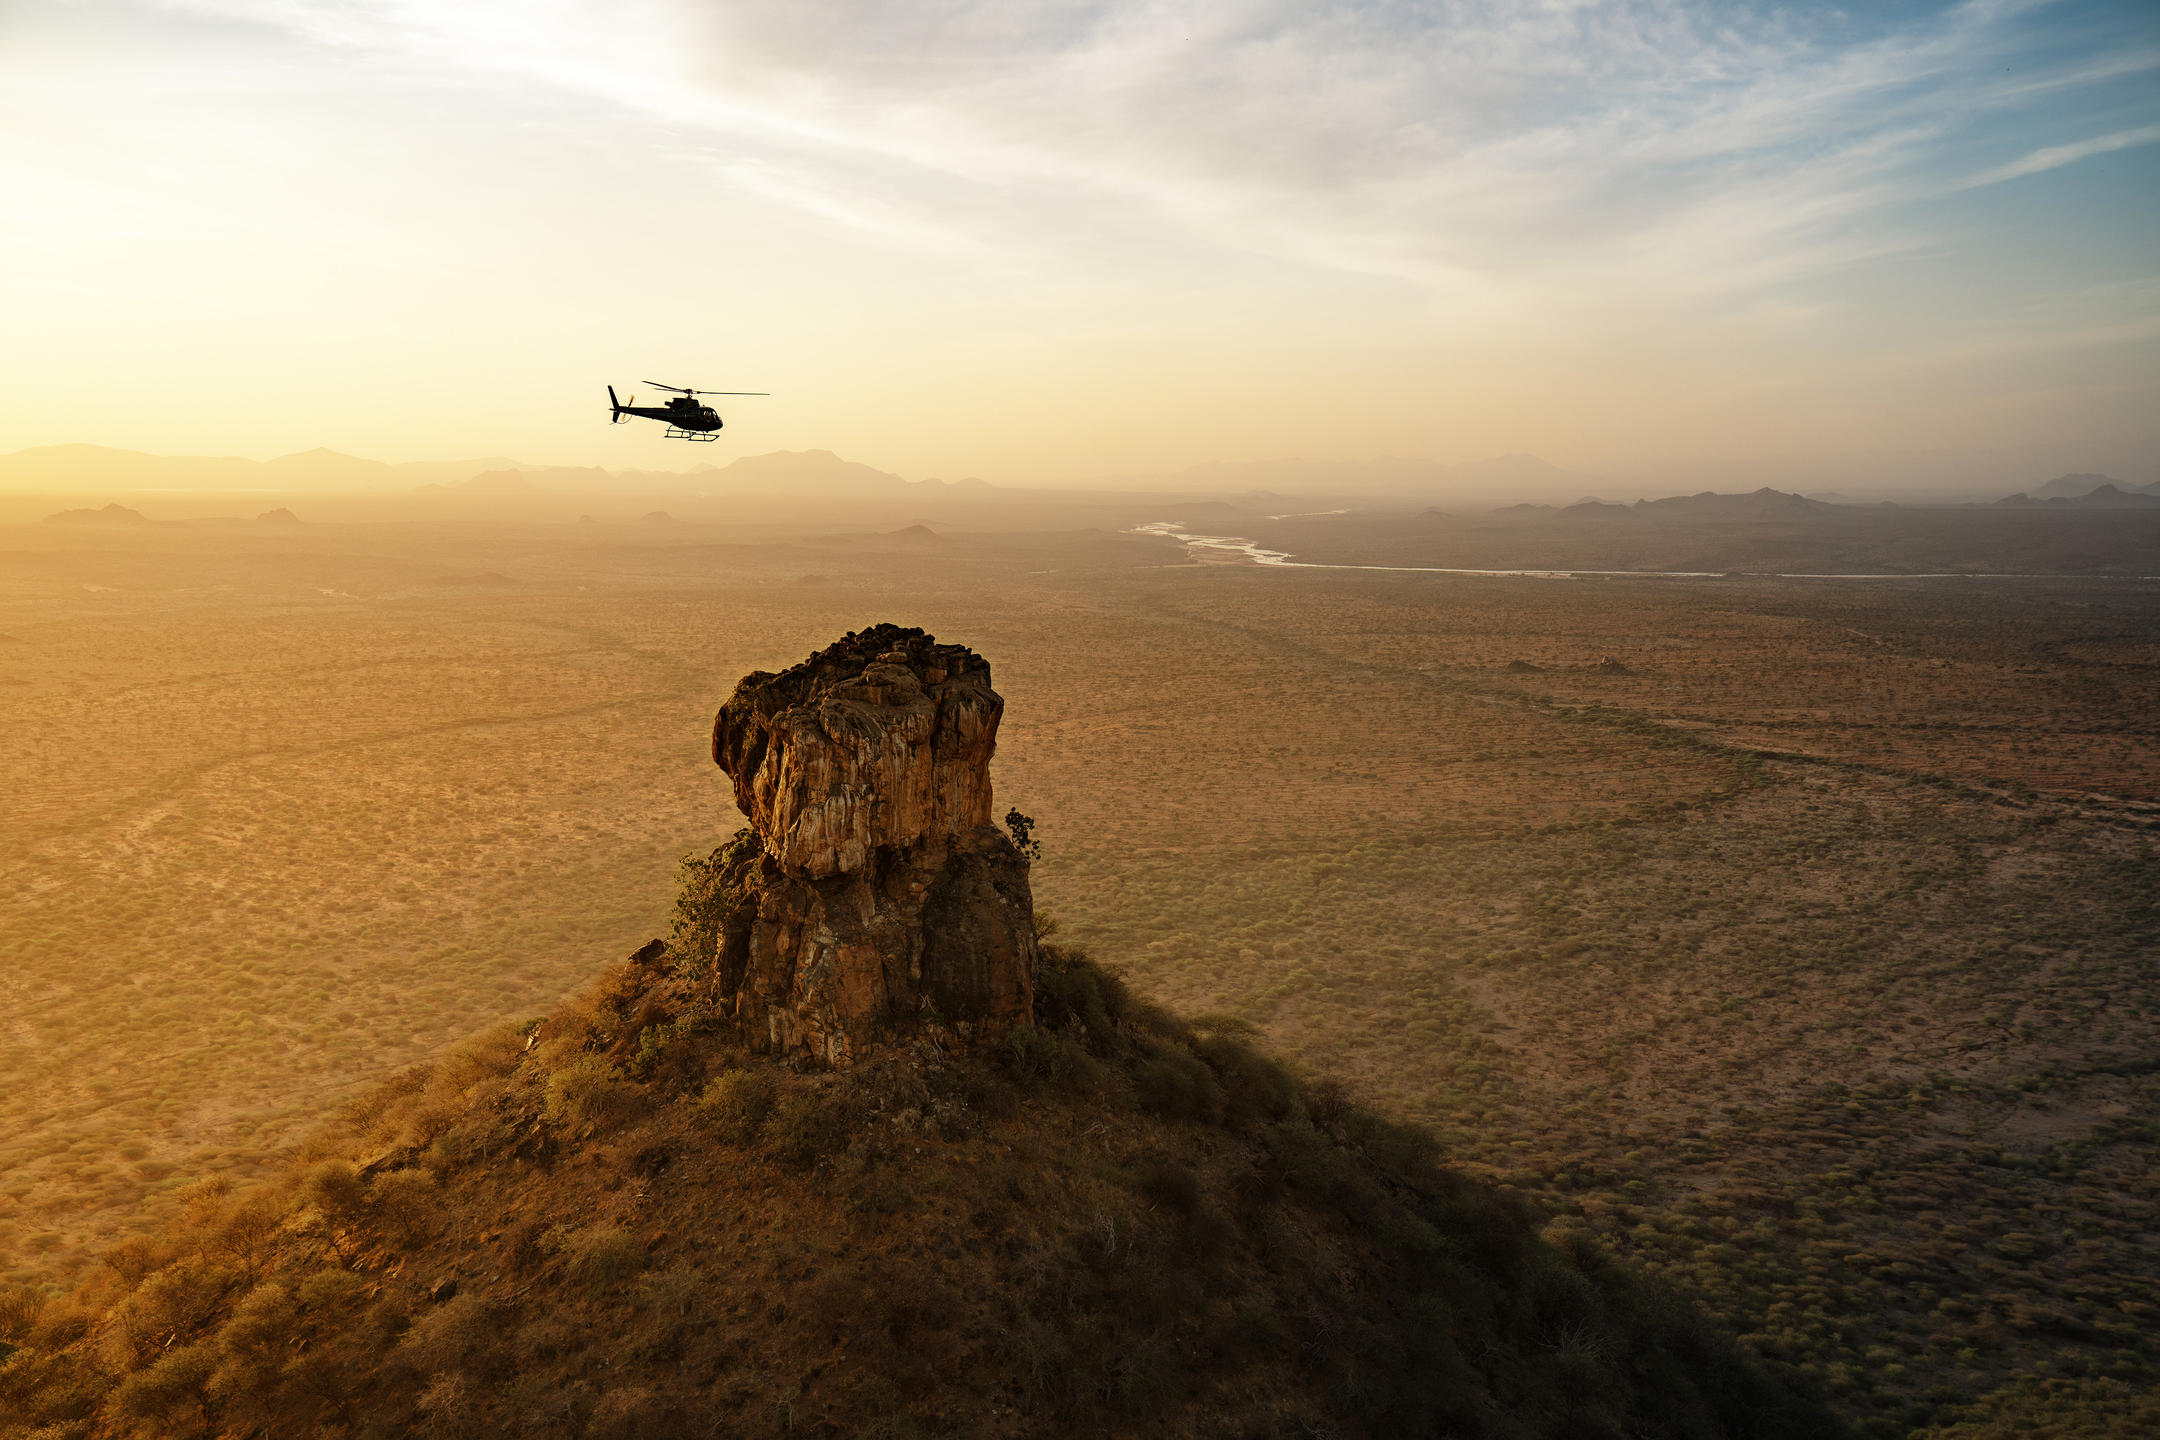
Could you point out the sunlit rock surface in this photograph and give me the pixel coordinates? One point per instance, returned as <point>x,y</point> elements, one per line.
<point>872,895</point>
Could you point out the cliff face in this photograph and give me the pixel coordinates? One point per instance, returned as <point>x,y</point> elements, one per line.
<point>872,895</point>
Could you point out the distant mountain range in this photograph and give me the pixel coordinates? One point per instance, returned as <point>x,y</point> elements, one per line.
<point>1763,504</point>
<point>65,468</point>
<point>52,469</point>
<point>2086,492</point>
<point>98,467</point>
<point>77,469</point>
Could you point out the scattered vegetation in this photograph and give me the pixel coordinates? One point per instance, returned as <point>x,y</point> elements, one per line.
<point>1806,966</point>
<point>1158,1227</point>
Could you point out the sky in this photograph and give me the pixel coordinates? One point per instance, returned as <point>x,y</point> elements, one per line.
<point>1047,242</point>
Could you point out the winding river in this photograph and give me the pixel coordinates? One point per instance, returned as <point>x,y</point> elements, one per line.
<point>1200,546</point>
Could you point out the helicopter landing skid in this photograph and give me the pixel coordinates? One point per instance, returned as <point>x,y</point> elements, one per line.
<point>676,432</point>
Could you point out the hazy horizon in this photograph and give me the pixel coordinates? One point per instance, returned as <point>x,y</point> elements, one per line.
<point>86,470</point>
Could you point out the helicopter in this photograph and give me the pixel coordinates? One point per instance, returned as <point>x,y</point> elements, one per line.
<point>686,419</point>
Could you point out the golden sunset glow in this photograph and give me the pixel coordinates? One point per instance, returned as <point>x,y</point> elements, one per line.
<point>1047,243</point>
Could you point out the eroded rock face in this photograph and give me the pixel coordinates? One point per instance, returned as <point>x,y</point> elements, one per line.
<point>872,896</point>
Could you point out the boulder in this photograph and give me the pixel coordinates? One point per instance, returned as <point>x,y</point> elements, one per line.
<point>872,896</point>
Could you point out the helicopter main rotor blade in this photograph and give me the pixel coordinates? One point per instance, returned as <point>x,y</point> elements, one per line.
<point>731,392</point>
<point>678,389</point>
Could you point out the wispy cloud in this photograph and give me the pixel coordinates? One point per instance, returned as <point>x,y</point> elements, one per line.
<point>1657,147</point>
<point>2055,156</point>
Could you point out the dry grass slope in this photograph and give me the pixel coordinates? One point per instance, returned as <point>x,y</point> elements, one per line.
<point>621,1225</point>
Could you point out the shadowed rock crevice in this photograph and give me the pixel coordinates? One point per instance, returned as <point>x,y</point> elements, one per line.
<point>871,896</point>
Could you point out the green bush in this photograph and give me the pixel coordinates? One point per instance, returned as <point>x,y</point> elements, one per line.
<point>588,1091</point>
<point>703,901</point>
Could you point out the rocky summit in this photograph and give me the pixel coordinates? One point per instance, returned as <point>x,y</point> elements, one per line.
<point>872,896</point>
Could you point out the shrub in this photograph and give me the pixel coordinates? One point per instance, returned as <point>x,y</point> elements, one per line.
<point>600,1255</point>
<point>333,1187</point>
<point>262,1321</point>
<point>738,1102</point>
<point>246,1230</point>
<point>587,1091</point>
<point>1168,1183</point>
<point>177,1301</point>
<point>168,1390</point>
<point>703,901</point>
<point>1043,1057</point>
<point>805,1127</point>
<point>449,1335</point>
<point>1253,1084</point>
<point>450,1407</point>
<point>403,1198</point>
<point>1174,1084</point>
<point>131,1260</point>
<point>1406,1152</point>
<point>1073,987</point>
<point>330,1289</point>
<point>19,1306</point>
<point>252,1347</point>
<point>673,1292</point>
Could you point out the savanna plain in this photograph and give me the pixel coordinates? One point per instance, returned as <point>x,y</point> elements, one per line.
<point>1794,938</point>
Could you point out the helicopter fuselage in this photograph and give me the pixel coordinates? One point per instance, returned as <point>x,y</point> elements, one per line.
<point>685,418</point>
<point>682,414</point>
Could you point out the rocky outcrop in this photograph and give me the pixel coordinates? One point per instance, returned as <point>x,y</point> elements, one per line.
<point>871,895</point>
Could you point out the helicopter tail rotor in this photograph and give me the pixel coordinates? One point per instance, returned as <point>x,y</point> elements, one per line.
<point>615,406</point>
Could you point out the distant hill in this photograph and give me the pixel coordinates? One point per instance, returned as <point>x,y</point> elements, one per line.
<point>820,472</point>
<point>1763,504</point>
<point>109,515</point>
<point>2072,486</point>
<point>780,474</point>
<point>2105,497</point>
<point>64,468</point>
<point>797,470</point>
